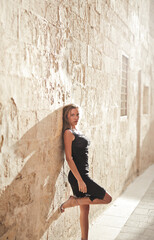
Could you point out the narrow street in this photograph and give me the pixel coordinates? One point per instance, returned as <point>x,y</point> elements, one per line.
<point>131,216</point>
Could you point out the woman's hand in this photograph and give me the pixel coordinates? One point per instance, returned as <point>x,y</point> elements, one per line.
<point>82,186</point>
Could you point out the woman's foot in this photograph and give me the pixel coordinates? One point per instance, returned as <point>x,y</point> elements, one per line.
<point>71,202</point>
<point>61,209</point>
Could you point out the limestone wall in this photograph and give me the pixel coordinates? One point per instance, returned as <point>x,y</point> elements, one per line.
<point>54,53</point>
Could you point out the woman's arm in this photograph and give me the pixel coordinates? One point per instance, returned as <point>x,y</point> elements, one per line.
<point>68,138</point>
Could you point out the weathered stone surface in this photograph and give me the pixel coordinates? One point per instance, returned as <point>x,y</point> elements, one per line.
<point>54,53</point>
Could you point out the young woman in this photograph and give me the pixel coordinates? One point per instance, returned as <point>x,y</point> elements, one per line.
<point>85,190</point>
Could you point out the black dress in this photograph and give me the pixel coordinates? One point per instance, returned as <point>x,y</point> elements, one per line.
<point>80,157</point>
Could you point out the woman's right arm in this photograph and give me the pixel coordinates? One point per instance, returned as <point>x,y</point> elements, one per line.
<point>68,138</point>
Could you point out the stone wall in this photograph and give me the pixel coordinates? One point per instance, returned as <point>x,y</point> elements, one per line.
<point>54,53</point>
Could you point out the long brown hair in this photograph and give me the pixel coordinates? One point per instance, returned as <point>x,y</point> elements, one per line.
<point>66,110</point>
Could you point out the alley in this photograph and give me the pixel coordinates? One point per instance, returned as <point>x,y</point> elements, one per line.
<point>131,216</point>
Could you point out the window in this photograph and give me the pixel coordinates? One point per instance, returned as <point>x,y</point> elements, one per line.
<point>124,86</point>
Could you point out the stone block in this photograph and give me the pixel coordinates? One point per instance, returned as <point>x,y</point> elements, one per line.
<point>90,55</point>
<point>107,64</point>
<point>84,53</point>
<point>94,20</point>
<point>27,20</point>
<point>75,52</point>
<point>84,32</point>
<point>97,60</point>
<point>9,18</point>
<point>63,15</point>
<point>27,122</point>
<point>96,39</point>
<point>79,74</point>
<point>113,35</point>
<point>112,4</point>
<point>83,8</point>
<point>35,6</point>
<point>99,6</point>
<point>75,6</point>
<point>51,12</point>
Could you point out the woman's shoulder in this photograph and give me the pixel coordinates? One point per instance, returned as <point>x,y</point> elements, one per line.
<point>73,131</point>
<point>68,134</point>
<point>67,130</point>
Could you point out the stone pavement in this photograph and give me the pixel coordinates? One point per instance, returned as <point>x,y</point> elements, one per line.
<point>140,224</point>
<point>131,216</point>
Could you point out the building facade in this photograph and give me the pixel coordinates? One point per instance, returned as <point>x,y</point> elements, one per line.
<point>96,53</point>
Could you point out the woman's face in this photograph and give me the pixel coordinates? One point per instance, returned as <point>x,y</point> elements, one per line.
<point>73,117</point>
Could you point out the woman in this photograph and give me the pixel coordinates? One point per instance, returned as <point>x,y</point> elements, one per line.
<point>85,190</point>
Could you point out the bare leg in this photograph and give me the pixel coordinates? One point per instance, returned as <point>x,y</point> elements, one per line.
<point>73,201</point>
<point>83,201</point>
<point>84,210</point>
<point>84,221</point>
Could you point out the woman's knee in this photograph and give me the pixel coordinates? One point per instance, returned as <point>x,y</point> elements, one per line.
<point>107,198</point>
<point>84,209</point>
<point>110,199</point>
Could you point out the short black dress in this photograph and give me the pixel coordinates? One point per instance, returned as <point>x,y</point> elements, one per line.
<point>80,157</point>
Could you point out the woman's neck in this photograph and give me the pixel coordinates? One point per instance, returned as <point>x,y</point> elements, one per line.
<point>74,128</point>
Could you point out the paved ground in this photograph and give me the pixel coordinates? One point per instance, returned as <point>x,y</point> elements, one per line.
<point>140,224</point>
<point>131,216</point>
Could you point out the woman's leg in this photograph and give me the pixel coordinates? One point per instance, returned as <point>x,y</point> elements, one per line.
<point>84,221</point>
<point>73,201</point>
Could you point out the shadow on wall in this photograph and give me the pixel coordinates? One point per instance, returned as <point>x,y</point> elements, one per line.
<point>25,203</point>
